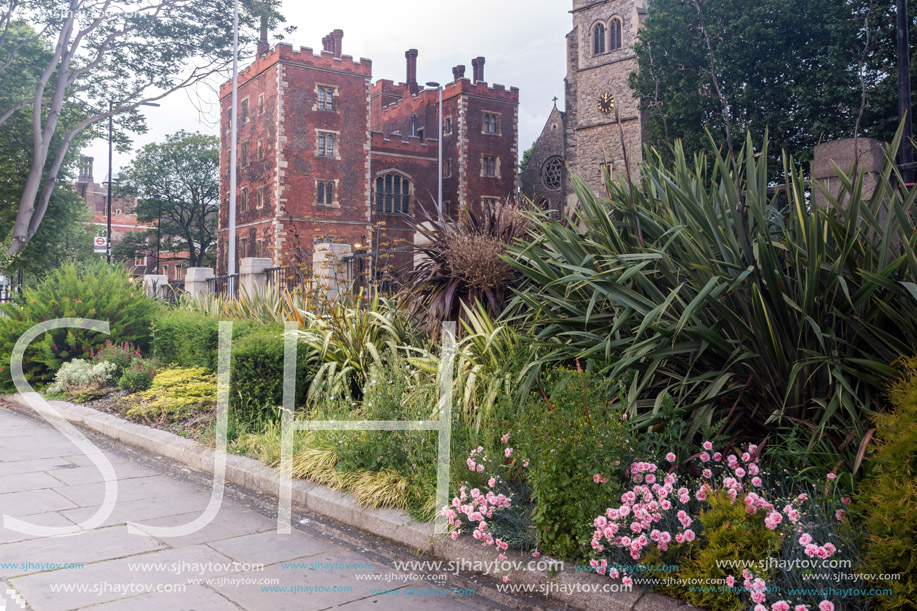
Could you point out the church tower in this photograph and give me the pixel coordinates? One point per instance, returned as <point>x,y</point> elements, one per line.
<point>600,58</point>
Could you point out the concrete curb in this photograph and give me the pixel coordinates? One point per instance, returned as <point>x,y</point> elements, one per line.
<point>581,590</point>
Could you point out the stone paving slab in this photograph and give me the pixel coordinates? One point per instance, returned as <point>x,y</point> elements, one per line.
<point>225,565</point>
<point>33,501</point>
<point>109,581</point>
<point>194,598</point>
<point>144,509</point>
<point>250,514</point>
<point>267,548</point>
<point>85,547</point>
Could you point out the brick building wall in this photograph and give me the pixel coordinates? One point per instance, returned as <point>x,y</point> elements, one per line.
<point>314,130</point>
<point>386,130</point>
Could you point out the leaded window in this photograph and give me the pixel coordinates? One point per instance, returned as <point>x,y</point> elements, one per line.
<point>393,194</point>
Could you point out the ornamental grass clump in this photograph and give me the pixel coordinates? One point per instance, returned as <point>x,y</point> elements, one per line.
<point>461,262</point>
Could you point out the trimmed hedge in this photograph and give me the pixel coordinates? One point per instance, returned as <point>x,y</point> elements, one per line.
<point>191,339</point>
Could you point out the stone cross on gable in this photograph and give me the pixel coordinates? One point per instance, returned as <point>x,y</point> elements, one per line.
<point>555,101</point>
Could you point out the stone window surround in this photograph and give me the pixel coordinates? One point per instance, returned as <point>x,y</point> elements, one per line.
<point>497,166</point>
<point>244,111</point>
<point>244,154</point>
<point>336,97</point>
<point>336,192</point>
<point>499,126</point>
<point>447,125</point>
<point>243,199</point>
<point>609,26</point>
<point>405,177</point>
<point>336,150</point>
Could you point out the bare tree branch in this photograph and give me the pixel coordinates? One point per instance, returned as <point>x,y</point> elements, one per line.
<point>727,117</point>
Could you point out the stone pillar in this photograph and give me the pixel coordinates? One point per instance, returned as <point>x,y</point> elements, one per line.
<point>156,285</point>
<point>329,269</point>
<point>421,240</point>
<point>196,281</point>
<point>252,278</point>
<point>869,153</point>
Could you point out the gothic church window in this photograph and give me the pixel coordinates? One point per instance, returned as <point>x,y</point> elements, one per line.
<point>615,29</point>
<point>552,173</point>
<point>598,39</point>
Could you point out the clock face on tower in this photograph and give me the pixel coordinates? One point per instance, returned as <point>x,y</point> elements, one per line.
<point>606,102</point>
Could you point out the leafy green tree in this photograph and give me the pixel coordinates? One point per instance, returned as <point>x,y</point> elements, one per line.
<point>787,66</point>
<point>63,237</point>
<point>181,179</point>
<point>526,156</point>
<point>880,119</point>
<point>134,245</point>
<point>104,59</point>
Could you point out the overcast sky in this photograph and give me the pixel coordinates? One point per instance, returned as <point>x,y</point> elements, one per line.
<point>522,40</point>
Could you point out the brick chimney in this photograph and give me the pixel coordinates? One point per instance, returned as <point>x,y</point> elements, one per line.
<point>337,38</point>
<point>411,78</point>
<point>327,43</point>
<point>86,169</point>
<point>458,73</point>
<point>263,45</point>
<point>477,65</point>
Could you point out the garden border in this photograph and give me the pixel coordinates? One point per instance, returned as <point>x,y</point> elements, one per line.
<point>391,524</point>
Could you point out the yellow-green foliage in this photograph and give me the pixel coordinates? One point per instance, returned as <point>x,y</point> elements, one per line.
<point>888,498</point>
<point>317,462</point>
<point>730,533</point>
<point>176,394</point>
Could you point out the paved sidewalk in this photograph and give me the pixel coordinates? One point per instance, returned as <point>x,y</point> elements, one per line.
<point>45,479</point>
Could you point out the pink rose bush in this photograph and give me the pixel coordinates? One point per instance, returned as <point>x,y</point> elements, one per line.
<point>474,508</point>
<point>660,509</point>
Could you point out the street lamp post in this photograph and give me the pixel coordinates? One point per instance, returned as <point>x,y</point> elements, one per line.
<point>904,91</point>
<point>439,201</point>
<point>158,234</point>
<point>233,144</point>
<point>111,178</point>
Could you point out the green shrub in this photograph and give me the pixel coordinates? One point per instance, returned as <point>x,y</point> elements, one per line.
<point>176,394</point>
<point>191,339</point>
<point>888,498</point>
<point>256,380</point>
<point>729,533</point>
<point>571,434</point>
<point>138,376</point>
<point>79,373</point>
<point>95,291</point>
<point>120,354</point>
